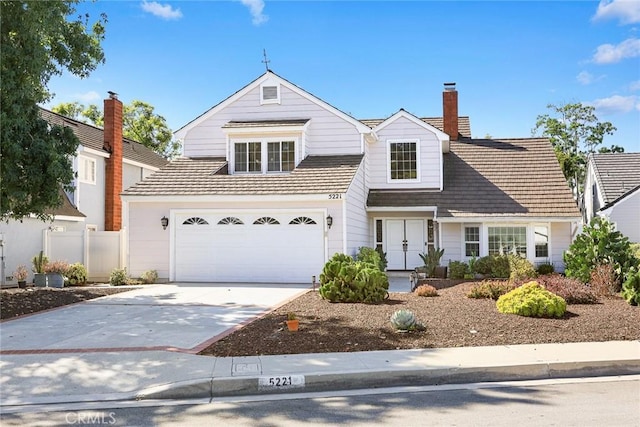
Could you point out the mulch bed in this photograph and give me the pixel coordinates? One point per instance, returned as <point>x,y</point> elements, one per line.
<point>17,302</point>
<point>451,320</point>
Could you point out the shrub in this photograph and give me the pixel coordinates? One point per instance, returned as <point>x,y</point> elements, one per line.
<point>149,276</point>
<point>21,273</point>
<point>77,274</point>
<point>370,256</point>
<point>489,289</point>
<point>631,288</point>
<point>39,261</point>
<point>599,243</point>
<point>532,300</point>
<point>56,267</point>
<point>520,268</point>
<point>118,277</point>
<point>383,258</point>
<point>604,280</point>
<point>545,268</point>
<point>345,280</point>
<point>426,291</point>
<point>457,269</point>
<point>432,260</point>
<point>483,265</point>
<point>403,320</point>
<point>571,290</point>
<point>496,266</point>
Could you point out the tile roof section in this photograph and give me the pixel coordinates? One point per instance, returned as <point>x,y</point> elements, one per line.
<point>208,176</point>
<point>617,174</point>
<point>92,137</point>
<point>493,178</point>
<point>66,208</point>
<point>265,123</point>
<point>464,124</point>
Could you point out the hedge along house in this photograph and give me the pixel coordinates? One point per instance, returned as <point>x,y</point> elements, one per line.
<point>274,181</point>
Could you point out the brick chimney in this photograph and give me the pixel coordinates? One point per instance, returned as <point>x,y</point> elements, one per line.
<point>113,179</point>
<point>450,110</point>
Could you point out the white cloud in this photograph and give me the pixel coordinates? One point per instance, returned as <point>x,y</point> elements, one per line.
<point>256,7</point>
<point>161,11</point>
<point>90,96</point>
<point>627,11</point>
<point>616,104</point>
<point>609,54</point>
<point>586,78</point>
<point>633,86</point>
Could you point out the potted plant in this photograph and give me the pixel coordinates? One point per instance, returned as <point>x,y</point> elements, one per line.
<point>39,261</point>
<point>292,322</point>
<point>55,272</point>
<point>432,261</point>
<point>20,275</point>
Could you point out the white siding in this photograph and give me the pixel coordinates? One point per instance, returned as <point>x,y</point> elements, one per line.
<point>358,231</point>
<point>592,194</point>
<point>451,242</point>
<point>626,215</point>
<point>130,175</point>
<point>90,197</point>
<point>560,240</point>
<point>327,133</point>
<point>430,156</point>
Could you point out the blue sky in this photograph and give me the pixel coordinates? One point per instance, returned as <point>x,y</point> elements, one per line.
<point>371,58</point>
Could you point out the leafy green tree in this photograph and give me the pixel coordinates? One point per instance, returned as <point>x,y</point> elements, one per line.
<point>38,40</point>
<point>139,122</point>
<point>612,149</point>
<point>599,243</point>
<point>574,131</point>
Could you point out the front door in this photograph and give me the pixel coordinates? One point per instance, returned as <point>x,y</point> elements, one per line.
<point>404,243</point>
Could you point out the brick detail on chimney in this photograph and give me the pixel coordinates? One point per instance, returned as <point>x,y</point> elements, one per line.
<point>113,178</point>
<point>450,111</point>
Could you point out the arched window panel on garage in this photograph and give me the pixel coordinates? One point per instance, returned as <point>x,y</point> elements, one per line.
<point>302,220</point>
<point>230,220</point>
<point>266,220</point>
<point>195,220</point>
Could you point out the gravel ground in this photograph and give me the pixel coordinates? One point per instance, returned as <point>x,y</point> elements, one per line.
<point>451,320</point>
<point>17,302</point>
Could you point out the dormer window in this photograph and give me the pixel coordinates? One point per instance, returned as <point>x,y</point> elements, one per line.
<point>269,93</point>
<point>403,157</point>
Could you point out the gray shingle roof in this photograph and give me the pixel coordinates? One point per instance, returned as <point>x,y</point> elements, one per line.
<point>616,173</point>
<point>66,208</point>
<point>208,176</point>
<point>464,124</point>
<point>493,178</point>
<point>93,137</point>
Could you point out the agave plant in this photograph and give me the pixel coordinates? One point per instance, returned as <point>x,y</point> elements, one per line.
<point>403,320</point>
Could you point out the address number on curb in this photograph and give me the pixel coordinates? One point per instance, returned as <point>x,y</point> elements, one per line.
<point>281,382</point>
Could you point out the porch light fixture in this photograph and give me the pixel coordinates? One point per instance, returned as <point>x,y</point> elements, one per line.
<point>165,222</point>
<point>329,221</point>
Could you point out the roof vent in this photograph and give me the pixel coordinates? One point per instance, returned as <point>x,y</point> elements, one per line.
<point>450,86</point>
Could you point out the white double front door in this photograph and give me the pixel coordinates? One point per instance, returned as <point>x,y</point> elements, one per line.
<point>404,243</point>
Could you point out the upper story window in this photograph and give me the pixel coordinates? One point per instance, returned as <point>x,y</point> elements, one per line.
<point>403,158</point>
<point>87,170</point>
<point>269,93</point>
<point>248,156</point>
<point>281,156</point>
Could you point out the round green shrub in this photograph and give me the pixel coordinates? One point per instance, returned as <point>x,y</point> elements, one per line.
<point>631,289</point>
<point>457,269</point>
<point>118,277</point>
<point>520,268</point>
<point>149,277</point>
<point>546,268</point>
<point>345,280</point>
<point>76,274</point>
<point>490,289</point>
<point>532,300</point>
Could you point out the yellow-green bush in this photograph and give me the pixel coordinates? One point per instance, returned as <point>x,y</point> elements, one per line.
<point>532,300</point>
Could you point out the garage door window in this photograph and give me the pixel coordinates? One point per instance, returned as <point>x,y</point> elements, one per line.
<point>302,220</point>
<point>195,220</point>
<point>266,220</point>
<point>230,220</point>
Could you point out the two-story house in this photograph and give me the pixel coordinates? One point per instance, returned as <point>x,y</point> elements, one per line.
<point>105,163</point>
<point>274,181</point>
<point>612,190</point>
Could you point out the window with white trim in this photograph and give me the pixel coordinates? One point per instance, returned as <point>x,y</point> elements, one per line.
<point>507,240</point>
<point>541,239</point>
<point>281,156</point>
<point>472,241</point>
<point>87,170</point>
<point>269,93</point>
<point>403,160</point>
<point>247,156</point>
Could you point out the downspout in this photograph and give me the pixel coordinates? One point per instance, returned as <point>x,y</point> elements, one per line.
<point>344,224</point>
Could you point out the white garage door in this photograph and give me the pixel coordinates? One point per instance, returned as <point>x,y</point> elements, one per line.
<point>268,247</point>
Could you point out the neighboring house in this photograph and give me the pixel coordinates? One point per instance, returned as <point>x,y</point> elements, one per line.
<point>104,164</point>
<point>612,191</point>
<point>274,181</point>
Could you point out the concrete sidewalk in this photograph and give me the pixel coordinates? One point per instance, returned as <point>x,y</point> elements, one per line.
<point>112,376</point>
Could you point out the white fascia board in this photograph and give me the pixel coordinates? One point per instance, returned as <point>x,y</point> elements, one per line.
<point>269,75</point>
<point>69,218</point>
<point>402,113</point>
<point>226,198</point>
<point>509,219</point>
<point>265,130</point>
<point>402,209</point>
<point>618,202</point>
<point>82,148</point>
<point>140,165</point>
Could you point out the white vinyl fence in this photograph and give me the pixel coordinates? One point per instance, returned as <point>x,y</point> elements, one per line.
<point>99,251</point>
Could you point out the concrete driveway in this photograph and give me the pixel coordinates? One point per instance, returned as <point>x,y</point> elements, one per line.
<point>181,316</point>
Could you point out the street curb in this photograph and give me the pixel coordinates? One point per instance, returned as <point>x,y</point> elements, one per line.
<point>334,381</point>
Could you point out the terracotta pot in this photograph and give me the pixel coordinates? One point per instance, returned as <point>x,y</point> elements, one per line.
<point>293,325</point>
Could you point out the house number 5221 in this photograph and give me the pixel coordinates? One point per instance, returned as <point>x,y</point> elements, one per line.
<point>334,196</point>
